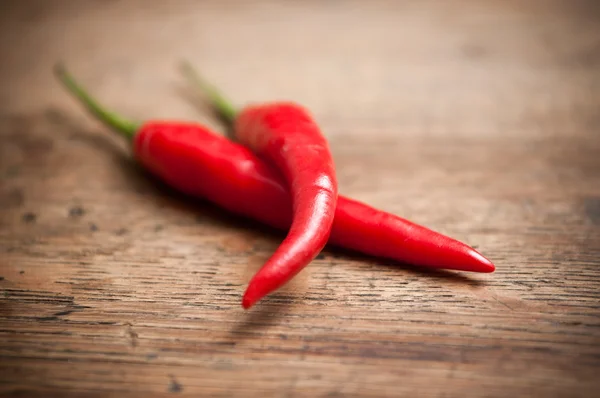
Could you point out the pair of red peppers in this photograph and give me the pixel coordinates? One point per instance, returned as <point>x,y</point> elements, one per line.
<point>282,174</point>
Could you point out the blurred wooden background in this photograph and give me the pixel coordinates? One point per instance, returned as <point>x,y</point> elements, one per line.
<point>479,119</point>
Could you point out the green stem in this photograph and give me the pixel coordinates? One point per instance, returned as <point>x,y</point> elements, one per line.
<point>222,105</point>
<point>125,127</point>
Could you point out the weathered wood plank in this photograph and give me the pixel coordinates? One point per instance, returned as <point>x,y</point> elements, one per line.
<point>477,119</point>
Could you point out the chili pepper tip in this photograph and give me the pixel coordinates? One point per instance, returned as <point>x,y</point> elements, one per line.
<point>252,295</point>
<point>481,263</point>
<point>246,303</point>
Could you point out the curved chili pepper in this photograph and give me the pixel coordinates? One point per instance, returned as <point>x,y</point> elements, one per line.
<point>285,134</point>
<point>198,162</point>
<point>287,137</point>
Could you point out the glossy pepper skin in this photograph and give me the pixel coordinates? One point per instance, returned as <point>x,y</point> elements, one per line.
<point>196,161</point>
<point>288,138</point>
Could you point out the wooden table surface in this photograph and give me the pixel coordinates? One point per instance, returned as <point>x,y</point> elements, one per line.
<point>479,119</point>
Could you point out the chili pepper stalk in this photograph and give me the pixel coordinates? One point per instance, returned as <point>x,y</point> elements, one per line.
<point>127,128</point>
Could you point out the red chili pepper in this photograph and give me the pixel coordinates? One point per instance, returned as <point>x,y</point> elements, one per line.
<point>285,134</point>
<point>196,161</point>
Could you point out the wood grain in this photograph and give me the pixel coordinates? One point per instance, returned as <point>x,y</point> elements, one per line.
<point>476,118</point>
